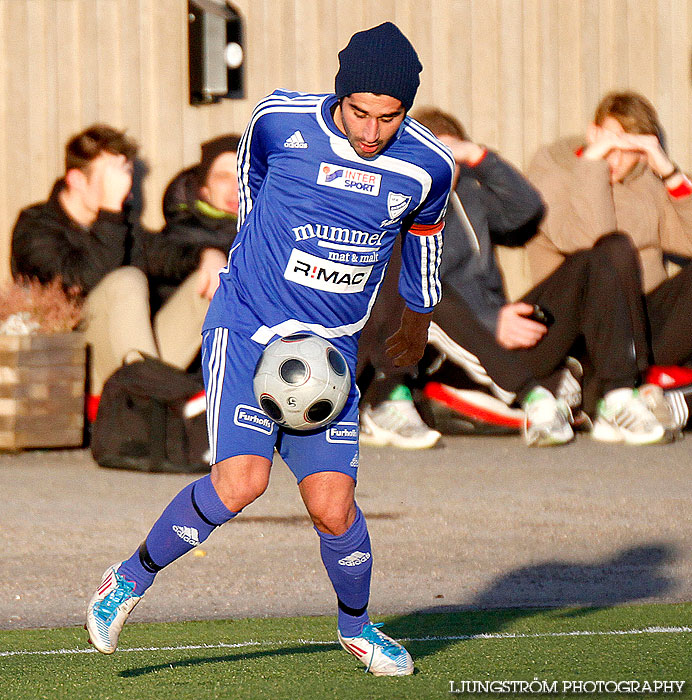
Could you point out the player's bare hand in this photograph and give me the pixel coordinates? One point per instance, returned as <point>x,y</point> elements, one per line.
<point>601,142</point>
<point>463,151</point>
<point>514,331</point>
<point>210,263</point>
<point>407,345</point>
<point>115,172</point>
<point>651,149</point>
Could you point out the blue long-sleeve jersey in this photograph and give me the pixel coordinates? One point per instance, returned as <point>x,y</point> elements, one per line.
<point>317,223</point>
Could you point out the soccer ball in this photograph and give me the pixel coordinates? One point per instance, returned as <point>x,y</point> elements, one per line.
<point>302,381</point>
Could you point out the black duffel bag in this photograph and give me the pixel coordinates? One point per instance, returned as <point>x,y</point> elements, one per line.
<point>151,418</point>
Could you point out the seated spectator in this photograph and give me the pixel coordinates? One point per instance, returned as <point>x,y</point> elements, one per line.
<point>200,206</point>
<point>620,177</point>
<point>82,236</point>
<point>497,342</point>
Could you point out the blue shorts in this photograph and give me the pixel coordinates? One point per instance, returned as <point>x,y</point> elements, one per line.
<point>238,426</point>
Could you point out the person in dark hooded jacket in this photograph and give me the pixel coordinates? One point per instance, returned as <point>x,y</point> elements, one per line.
<point>200,206</point>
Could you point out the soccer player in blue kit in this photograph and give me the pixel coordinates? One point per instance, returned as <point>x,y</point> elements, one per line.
<point>326,184</point>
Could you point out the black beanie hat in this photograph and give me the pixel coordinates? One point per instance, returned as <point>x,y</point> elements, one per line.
<point>211,150</point>
<point>380,60</point>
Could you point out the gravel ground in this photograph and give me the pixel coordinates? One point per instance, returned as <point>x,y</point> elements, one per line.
<point>476,522</point>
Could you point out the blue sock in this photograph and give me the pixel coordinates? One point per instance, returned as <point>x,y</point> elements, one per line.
<point>186,522</point>
<point>348,560</point>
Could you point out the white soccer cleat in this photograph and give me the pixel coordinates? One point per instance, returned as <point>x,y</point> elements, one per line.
<point>381,655</point>
<point>396,423</point>
<point>623,416</point>
<point>109,609</point>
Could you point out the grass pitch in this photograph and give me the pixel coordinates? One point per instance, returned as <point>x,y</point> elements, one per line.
<point>298,658</point>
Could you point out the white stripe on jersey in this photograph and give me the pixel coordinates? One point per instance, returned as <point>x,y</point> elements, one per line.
<point>265,333</point>
<point>226,269</point>
<point>425,136</point>
<point>466,360</point>
<point>436,267</point>
<point>217,369</point>
<point>272,103</point>
<point>431,251</point>
<point>424,270</point>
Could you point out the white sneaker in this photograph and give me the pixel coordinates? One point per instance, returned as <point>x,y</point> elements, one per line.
<point>667,409</point>
<point>546,419</point>
<point>109,609</point>
<point>381,655</point>
<point>622,415</point>
<point>396,423</point>
<point>569,386</point>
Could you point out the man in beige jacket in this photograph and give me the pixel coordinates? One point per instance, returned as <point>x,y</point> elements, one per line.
<point>620,179</point>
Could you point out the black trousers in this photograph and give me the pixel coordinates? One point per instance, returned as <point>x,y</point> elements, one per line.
<point>596,300</point>
<point>669,311</point>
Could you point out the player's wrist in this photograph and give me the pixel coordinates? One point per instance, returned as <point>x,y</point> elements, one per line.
<point>668,173</point>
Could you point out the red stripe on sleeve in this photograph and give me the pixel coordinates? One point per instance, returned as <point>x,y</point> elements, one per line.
<point>684,189</point>
<point>426,229</point>
<point>480,158</point>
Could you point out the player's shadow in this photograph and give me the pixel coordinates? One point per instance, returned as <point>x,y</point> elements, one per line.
<point>226,658</point>
<point>633,574</point>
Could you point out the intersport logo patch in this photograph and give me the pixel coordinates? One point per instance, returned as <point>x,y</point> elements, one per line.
<point>328,276</point>
<point>349,179</point>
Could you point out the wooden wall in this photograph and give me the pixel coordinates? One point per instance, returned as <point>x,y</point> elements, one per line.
<point>517,72</point>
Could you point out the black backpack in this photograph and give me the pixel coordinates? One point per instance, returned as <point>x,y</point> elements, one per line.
<point>151,418</point>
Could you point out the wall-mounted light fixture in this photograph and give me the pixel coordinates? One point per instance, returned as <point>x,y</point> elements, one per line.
<point>216,53</point>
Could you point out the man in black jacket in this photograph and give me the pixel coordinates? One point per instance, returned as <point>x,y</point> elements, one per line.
<point>183,261</point>
<point>86,236</point>
<point>82,232</point>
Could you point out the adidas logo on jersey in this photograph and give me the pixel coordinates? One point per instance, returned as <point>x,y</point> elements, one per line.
<point>355,559</point>
<point>187,534</point>
<point>295,140</point>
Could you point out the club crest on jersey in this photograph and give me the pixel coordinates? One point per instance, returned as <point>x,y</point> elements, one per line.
<point>397,204</point>
<point>349,179</point>
<point>325,275</point>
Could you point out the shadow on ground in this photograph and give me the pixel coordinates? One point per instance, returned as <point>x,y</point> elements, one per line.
<point>631,575</point>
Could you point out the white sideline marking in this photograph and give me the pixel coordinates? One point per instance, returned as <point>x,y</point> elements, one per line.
<point>306,642</point>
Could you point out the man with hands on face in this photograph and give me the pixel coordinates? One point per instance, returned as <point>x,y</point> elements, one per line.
<point>81,233</point>
<point>620,178</point>
<point>83,236</point>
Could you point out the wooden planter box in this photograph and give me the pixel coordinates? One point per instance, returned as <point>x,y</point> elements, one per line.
<point>42,381</point>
